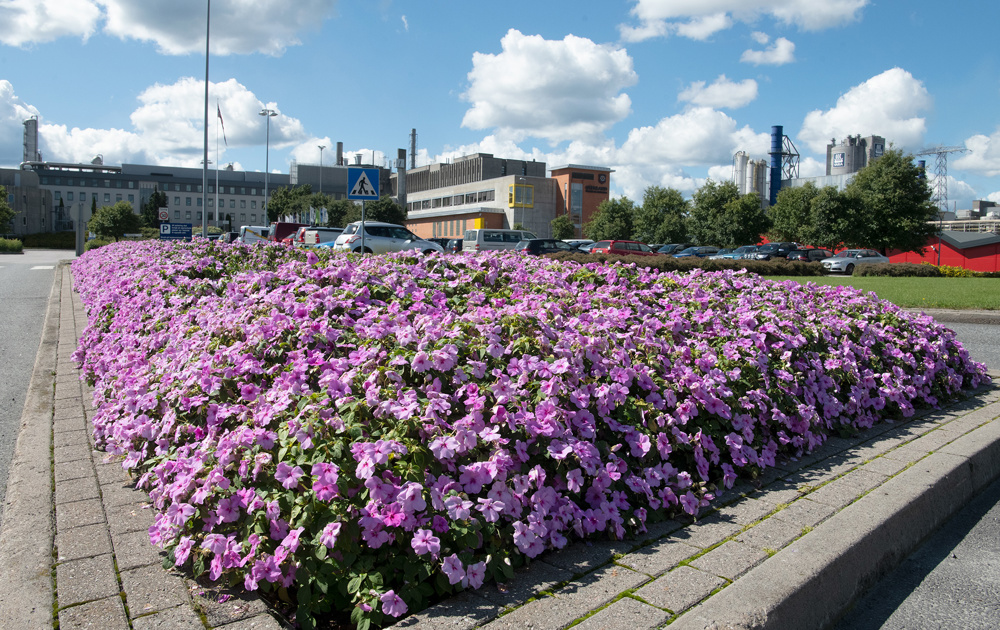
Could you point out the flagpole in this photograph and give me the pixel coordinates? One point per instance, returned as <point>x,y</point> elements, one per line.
<point>217,119</point>
<point>204,172</point>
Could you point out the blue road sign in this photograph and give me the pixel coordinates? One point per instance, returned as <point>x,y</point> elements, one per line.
<point>362,183</point>
<point>175,231</point>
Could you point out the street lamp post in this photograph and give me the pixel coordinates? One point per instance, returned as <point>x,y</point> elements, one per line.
<point>267,114</point>
<point>321,147</point>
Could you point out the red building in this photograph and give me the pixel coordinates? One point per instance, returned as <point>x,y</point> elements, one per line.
<point>580,190</point>
<point>976,251</point>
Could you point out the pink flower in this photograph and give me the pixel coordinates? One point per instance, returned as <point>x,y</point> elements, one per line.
<point>329,534</point>
<point>183,550</point>
<point>288,476</point>
<point>452,567</point>
<point>424,541</point>
<point>476,574</point>
<point>392,604</point>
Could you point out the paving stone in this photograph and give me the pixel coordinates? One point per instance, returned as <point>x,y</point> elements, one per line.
<point>743,512</point>
<point>103,614</point>
<point>76,490</point>
<point>67,404</point>
<point>73,470</point>
<point>223,605</point>
<point>659,557</point>
<point>79,513</point>
<point>122,494</point>
<point>177,618</point>
<point>151,588</point>
<point>70,438</point>
<point>267,622</point>
<point>83,542</point>
<point>527,583</point>
<point>133,549</point>
<point>113,473</point>
<point>129,518</point>
<point>572,601</point>
<point>844,491</point>
<point>771,534</point>
<point>805,513</point>
<point>730,559</point>
<point>71,453</point>
<point>680,589</point>
<point>885,466</point>
<point>625,613</point>
<point>67,390</point>
<point>86,579</point>
<point>77,422</point>
<point>583,556</point>
<point>462,612</point>
<point>706,533</point>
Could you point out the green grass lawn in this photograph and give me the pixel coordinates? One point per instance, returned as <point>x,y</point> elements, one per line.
<point>960,293</point>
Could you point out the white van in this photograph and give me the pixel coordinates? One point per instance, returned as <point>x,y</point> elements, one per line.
<point>486,239</point>
<point>253,233</point>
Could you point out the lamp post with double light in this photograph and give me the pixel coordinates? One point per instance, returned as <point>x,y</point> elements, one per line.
<point>321,147</point>
<point>267,114</point>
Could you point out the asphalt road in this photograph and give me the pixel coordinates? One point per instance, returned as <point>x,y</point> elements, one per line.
<point>25,283</point>
<point>981,340</point>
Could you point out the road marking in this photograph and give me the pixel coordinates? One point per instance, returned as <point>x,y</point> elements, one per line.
<point>43,267</point>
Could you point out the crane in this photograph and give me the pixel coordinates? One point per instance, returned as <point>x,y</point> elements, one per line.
<point>940,198</point>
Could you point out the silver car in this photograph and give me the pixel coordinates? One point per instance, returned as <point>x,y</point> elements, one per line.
<point>847,260</point>
<point>381,238</point>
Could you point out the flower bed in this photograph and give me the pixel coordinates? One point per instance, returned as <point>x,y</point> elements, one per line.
<point>373,432</point>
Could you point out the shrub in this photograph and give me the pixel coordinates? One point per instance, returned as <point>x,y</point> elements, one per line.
<point>954,272</point>
<point>776,267</point>
<point>374,431</point>
<point>897,270</point>
<point>51,240</point>
<point>9,245</point>
<point>95,243</point>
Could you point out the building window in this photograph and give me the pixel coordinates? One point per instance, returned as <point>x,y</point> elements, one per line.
<point>118,197</point>
<point>177,214</point>
<point>211,203</point>
<point>187,187</point>
<point>232,190</point>
<point>253,204</point>
<point>187,215</point>
<point>199,216</point>
<point>69,196</point>
<point>131,184</point>
<point>177,187</point>
<point>243,217</point>
<point>131,198</point>
<point>232,203</point>
<point>199,201</point>
<point>187,201</point>
<point>57,195</point>
<point>243,191</point>
<point>107,197</point>
<point>253,217</point>
<point>177,201</point>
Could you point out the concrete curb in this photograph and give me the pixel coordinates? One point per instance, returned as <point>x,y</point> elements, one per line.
<point>26,595</point>
<point>945,315</point>
<point>810,583</point>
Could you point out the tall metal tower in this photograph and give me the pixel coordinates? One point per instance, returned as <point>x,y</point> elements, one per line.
<point>940,197</point>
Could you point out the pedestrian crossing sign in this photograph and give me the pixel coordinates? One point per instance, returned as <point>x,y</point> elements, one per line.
<point>362,183</point>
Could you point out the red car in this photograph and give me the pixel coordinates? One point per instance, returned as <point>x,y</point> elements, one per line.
<point>623,248</point>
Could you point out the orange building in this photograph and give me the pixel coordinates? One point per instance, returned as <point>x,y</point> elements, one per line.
<point>579,191</point>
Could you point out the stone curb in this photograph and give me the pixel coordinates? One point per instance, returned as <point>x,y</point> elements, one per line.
<point>946,315</point>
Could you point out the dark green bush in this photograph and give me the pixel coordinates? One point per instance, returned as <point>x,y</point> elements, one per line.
<point>898,270</point>
<point>51,240</point>
<point>777,267</point>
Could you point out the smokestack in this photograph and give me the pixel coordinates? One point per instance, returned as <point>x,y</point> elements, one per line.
<point>401,176</point>
<point>413,148</point>
<point>340,154</point>
<point>777,135</point>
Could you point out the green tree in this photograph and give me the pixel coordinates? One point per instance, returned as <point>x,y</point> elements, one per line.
<point>562,227</point>
<point>830,215</point>
<point>791,215</point>
<point>662,216</point>
<point>337,212</point>
<point>6,212</point>
<point>893,205</point>
<point>149,215</point>
<point>613,220</point>
<point>113,222</point>
<point>286,202</point>
<point>720,216</point>
<point>385,209</point>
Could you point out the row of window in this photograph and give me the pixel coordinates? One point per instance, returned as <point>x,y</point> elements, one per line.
<point>211,202</point>
<point>213,217</point>
<point>480,196</point>
<point>108,183</point>
<point>83,182</point>
<point>449,229</point>
<point>57,196</point>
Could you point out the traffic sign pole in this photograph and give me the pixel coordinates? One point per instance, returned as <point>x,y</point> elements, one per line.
<point>362,184</point>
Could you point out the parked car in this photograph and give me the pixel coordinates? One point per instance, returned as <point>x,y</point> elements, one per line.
<point>578,242</point>
<point>703,251</point>
<point>539,246</point>
<point>253,233</point>
<point>453,246</point>
<point>443,242</point>
<point>284,231</point>
<point>622,248</point>
<point>731,254</point>
<point>380,238</point>
<point>585,248</point>
<point>317,235</point>
<point>485,239</point>
<point>809,254</point>
<point>769,251</point>
<point>674,247</point>
<point>847,260</point>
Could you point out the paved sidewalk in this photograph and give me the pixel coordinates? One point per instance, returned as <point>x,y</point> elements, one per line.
<point>790,551</point>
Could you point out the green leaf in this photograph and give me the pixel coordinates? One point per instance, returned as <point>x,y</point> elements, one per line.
<point>305,595</point>
<point>355,583</point>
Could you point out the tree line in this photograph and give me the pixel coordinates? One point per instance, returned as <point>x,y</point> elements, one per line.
<point>887,205</point>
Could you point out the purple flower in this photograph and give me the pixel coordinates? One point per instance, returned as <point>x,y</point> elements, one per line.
<point>329,534</point>
<point>288,476</point>
<point>392,604</point>
<point>424,541</point>
<point>452,567</point>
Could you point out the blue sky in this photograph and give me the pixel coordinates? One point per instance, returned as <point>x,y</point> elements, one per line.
<point>662,91</point>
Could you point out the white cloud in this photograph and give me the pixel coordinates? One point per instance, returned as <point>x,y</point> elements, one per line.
<point>886,105</point>
<point>699,136</point>
<point>721,93</point>
<point>779,53</point>
<point>24,22</point>
<point>166,127</point>
<point>553,89</point>
<point>176,27</point>
<point>693,18</point>
<point>760,38</point>
<point>406,24</point>
<point>13,112</point>
<point>984,155</point>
